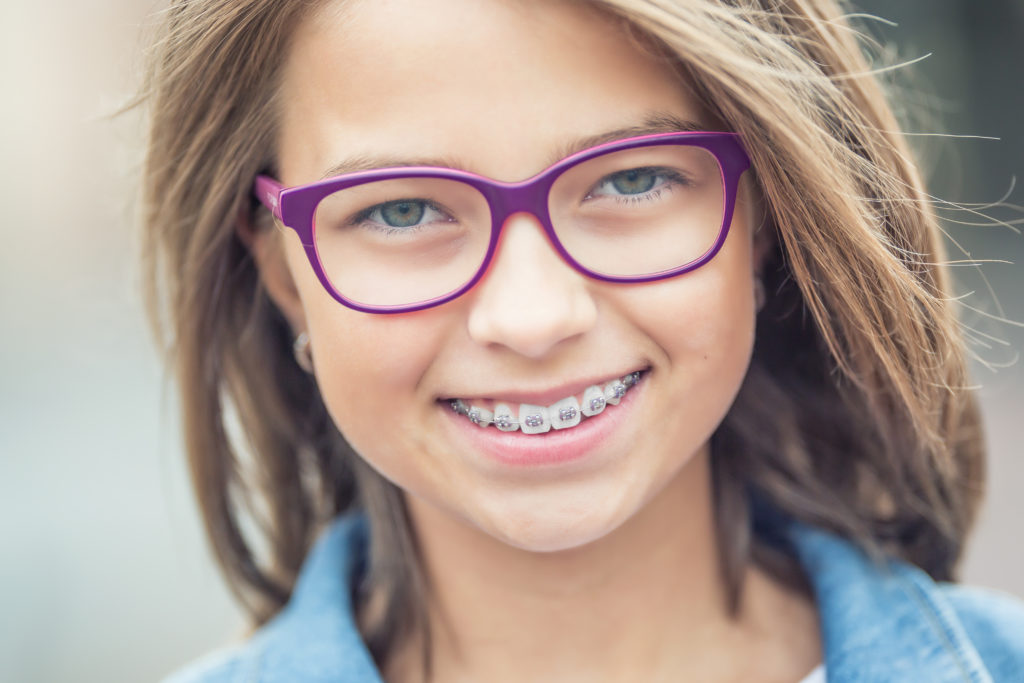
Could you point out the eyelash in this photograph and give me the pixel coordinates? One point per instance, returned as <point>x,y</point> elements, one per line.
<point>649,196</point>
<point>672,180</point>
<point>362,218</point>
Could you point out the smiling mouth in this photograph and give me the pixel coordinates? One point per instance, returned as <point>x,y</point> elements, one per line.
<point>563,414</point>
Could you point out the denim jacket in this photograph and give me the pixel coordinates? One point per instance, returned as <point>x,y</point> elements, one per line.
<point>879,623</point>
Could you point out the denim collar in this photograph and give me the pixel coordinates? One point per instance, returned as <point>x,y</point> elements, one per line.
<point>884,621</point>
<point>879,623</point>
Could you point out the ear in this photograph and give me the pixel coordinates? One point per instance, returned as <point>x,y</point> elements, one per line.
<point>266,244</point>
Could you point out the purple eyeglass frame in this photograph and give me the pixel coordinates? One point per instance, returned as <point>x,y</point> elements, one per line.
<point>295,207</point>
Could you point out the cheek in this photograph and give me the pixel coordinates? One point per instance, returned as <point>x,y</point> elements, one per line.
<point>367,364</point>
<point>709,312</point>
<point>708,315</point>
<point>369,368</point>
<point>703,327</point>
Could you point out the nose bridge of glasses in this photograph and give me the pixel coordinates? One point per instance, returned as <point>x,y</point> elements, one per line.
<point>528,196</point>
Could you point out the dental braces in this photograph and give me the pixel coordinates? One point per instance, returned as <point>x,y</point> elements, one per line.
<point>566,413</point>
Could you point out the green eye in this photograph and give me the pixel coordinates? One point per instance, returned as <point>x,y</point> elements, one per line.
<point>403,214</point>
<point>635,181</point>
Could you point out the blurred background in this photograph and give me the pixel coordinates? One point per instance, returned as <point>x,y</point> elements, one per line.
<point>104,574</point>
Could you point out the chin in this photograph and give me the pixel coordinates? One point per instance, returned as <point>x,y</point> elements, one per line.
<point>553,526</point>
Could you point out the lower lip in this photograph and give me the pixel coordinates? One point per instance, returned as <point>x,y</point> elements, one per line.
<point>554,447</point>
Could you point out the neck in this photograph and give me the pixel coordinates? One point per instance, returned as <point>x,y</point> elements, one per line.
<point>645,602</point>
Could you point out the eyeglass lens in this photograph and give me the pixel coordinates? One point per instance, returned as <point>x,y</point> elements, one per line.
<point>633,212</point>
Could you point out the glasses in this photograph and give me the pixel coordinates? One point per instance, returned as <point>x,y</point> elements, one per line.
<point>403,239</point>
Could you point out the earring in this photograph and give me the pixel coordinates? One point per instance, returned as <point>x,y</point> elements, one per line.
<point>760,295</point>
<point>303,352</point>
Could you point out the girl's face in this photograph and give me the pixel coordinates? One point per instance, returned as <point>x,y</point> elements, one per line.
<point>503,89</point>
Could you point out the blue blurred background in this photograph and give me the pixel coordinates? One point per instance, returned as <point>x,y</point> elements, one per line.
<point>105,575</point>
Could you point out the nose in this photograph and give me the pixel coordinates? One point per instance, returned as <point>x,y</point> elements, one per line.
<point>529,300</point>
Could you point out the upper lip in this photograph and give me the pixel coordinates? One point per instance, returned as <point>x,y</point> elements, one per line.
<point>544,396</point>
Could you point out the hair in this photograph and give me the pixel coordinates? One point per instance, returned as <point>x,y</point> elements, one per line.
<point>854,416</point>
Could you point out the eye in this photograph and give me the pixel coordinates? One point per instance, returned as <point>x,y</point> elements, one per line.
<point>402,213</point>
<point>634,182</point>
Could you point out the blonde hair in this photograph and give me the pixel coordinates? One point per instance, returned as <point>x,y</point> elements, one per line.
<point>854,416</point>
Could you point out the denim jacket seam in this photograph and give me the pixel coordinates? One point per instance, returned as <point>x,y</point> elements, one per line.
<point>951,642</point>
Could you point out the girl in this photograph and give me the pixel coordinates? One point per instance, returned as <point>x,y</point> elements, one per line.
<point>563,341</point>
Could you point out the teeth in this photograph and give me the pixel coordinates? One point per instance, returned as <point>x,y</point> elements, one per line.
<point>504,419</point>
<point>481,417</point>
<point>565,413</point>
<point>593,401</point>
<point>533,419</point>
<point>614,391</point>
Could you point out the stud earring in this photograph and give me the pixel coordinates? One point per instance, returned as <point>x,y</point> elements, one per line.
<point>760,295</point>
<point>303,352</point>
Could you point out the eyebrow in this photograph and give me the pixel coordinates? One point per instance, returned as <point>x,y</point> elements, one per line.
<point>651,125</point>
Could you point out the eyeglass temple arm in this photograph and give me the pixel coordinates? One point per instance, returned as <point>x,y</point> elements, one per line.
<point>268,191</point>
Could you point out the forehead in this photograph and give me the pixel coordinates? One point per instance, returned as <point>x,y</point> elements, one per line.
<point>493,86</point>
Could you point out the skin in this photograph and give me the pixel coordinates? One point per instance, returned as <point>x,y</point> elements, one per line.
<point>604,570</point>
